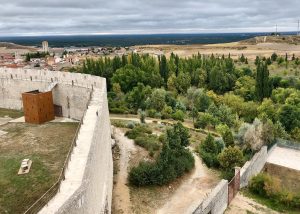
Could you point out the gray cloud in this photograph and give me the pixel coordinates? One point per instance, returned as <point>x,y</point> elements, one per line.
<point>45,17</point>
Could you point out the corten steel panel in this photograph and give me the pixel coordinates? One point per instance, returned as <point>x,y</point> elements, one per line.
<point>38,107</point>
<point>233,187</point>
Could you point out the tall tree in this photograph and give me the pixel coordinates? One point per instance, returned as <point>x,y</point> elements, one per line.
<point>163,69</point>
<point>263,86</point>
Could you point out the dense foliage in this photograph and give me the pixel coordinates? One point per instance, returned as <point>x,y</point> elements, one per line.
<point>269,187</point>
<point>30,56</point>
<point>173,161</point>
<point>209,150</point>
<point>211,91</point>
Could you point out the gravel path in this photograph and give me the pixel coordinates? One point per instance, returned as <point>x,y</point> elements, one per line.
<point>121,190</point>
<point>190,194</point>
<point>244,205</point>
<point>185,199</point>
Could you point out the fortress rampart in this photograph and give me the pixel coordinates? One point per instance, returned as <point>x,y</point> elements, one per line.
<point>87,187</point>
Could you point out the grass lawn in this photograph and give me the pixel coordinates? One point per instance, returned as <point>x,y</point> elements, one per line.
<point>270,203</point>
<point>10,113</point>
<point>47,146</point>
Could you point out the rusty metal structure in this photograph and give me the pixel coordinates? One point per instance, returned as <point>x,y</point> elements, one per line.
<point>234,186</point>
<point>38,107</point>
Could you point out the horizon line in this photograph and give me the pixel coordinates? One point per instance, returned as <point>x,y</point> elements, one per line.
<point>141,34</point>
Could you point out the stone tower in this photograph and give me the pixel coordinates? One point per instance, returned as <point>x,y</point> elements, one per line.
<point>45,46</point>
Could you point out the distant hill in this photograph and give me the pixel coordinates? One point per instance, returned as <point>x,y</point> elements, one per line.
<point>290,39</point>
<point>9,45</point>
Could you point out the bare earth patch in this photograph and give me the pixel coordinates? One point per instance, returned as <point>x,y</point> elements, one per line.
<point>121,195</point>
<point>244,205</point>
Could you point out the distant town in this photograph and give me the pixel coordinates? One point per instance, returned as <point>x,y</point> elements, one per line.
<point>16,56</point>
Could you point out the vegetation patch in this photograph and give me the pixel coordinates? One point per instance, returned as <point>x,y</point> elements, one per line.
<point>173,161</point>
<point>47,146</point>
<point>268,191</point>
<point>10,113</point>
<point>142,136</point>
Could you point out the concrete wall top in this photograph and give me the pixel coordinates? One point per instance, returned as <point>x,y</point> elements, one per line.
<point>87,187</point>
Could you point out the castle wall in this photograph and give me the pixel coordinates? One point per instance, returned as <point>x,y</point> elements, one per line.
<point>72,91</point>
<point>87,187</point>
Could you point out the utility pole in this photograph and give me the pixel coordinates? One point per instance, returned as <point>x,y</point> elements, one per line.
<point>276,31</point>
<point>298,32</point>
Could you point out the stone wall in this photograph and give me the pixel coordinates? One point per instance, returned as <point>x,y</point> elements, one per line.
<point>72,91</point>
<point>254,166</point>
<point>89,176</point>
<point>216,202</point>
<point>91,191</point>
<point>66,78</point>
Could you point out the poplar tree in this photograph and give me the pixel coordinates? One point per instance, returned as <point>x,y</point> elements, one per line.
<point>163,69</point>
<point>262,86</point>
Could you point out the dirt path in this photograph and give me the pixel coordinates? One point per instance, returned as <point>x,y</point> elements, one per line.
<point>121,196</point>
<point>244,205</point>
<point>186,197</point>
<point>4,120</point>
<point>190,193</point>
<point>187,123</point>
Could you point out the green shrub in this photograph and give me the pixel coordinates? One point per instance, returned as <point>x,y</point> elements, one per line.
<point>149,142</point>
<point>119,124</point>
<point>144,174</point>
<point>257,184</point>
<point>204,120</point>
<point>169,166</point>
<point>173,161</point>
<point>230,157</point>
<point>227,174</point>
<point>178,115</point>
<point>210,159</point>
<point>119,110</point>
<point>130,125</point>
<point>269,187</point>
<point>137,131</point>
<point>151,113</point>
<point>166,112</point>
<point>209,150</point>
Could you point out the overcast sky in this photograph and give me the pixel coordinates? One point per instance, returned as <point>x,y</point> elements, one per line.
<point>47,17</point>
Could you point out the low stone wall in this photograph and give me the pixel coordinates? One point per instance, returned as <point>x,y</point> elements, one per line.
<point>216,202</point>
<point>254,166</point>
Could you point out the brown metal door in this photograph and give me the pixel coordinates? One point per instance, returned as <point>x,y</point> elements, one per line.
<point>58,111</point>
